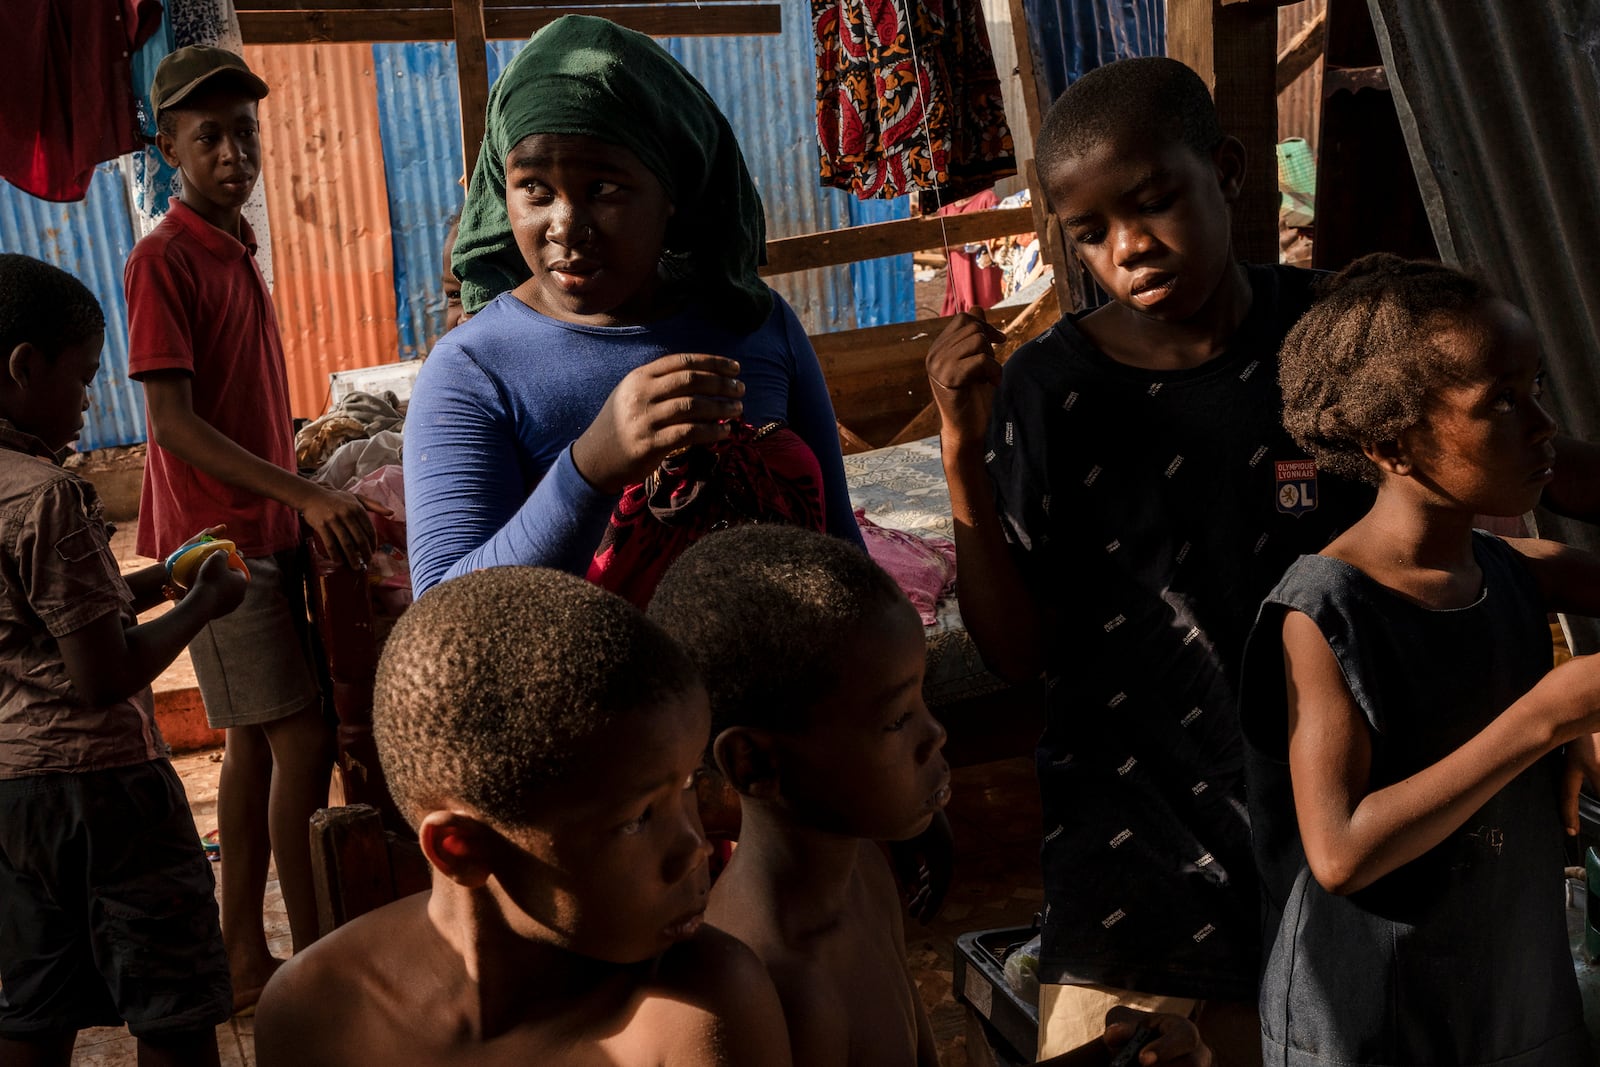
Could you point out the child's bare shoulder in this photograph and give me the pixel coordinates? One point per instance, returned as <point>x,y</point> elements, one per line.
<point>710,1000</point>
<point>326,997</point>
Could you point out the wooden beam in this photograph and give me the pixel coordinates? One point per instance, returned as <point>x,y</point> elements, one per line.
<point>853,244</point>
<point>1052,246</point>
<point>341,25</point>
<point>442,5</point>
<point>1303,51</point>
<point>472,74</point>
<point>1234,48</point>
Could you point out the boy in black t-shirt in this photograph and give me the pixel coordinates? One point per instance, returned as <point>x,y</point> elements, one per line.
<point>1122,502</point>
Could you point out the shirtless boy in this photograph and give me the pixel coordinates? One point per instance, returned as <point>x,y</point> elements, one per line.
<point>814,661</point>
<point>542,736</point>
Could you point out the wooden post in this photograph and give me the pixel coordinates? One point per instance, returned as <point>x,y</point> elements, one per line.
<point>472,74</point>
<point>1233,45</point>
<point>1052,243</point>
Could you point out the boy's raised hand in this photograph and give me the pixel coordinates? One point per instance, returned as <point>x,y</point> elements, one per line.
<point>963,373</point>
<point>674,402</point>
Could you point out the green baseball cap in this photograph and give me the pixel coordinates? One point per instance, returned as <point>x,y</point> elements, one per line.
<point>190,67</point>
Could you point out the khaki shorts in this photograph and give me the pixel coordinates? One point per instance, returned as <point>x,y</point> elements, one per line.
<point>253,664</point>
<point>1074,1015</point>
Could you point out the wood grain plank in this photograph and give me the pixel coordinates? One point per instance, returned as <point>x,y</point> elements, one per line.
<point>853,244</point>
<point>374,25</point>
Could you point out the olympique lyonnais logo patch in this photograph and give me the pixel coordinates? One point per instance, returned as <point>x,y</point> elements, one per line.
<point>1297,486</point>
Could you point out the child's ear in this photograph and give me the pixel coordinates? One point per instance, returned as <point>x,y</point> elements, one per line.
<point>459,846</point>
<point>748,761</point>
<point>21,362</point>
<point>166,146</point>
<point>1390,457</point>
<point>1232,161</point>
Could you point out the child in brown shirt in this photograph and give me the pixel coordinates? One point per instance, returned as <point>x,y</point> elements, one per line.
<point>108,908</point>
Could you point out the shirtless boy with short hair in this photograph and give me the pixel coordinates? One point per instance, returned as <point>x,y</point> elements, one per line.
<point>542,736</point>
<point>814,661</point>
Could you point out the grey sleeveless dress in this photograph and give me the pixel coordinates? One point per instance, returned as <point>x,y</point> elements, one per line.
<point>1459,957</point>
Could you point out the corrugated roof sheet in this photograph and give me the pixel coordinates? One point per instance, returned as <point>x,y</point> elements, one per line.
<point>91,240</point>
<point>323,172</point>
<point>418,100</point>
<point>1500,102</point>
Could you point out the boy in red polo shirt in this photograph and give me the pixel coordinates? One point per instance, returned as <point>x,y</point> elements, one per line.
<point>203,340</point>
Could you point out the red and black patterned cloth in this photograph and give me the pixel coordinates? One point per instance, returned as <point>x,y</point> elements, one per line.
<point>879,75</point>
<point>754,475</point>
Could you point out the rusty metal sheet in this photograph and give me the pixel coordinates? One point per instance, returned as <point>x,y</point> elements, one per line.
<point>323,174</point>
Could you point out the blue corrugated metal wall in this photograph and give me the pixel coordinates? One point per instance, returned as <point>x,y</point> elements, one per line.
<point>90,239</point>
<point>418,101</point>
<point>1072,37</point>
<point>417,105</point>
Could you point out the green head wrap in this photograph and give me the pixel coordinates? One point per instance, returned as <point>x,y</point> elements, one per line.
<point>586,76</point>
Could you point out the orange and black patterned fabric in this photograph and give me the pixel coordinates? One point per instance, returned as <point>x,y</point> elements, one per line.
<point>905,105</point>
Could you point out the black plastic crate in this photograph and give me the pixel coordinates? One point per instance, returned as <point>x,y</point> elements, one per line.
<point>980,983</point>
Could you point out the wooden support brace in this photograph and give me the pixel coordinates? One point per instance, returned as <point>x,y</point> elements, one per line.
<point>852,244</point>
<point>1303,51</point>
<point>472,73</point>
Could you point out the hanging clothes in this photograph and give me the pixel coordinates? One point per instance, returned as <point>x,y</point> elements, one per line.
<point>70,102</point>
<point>907,104</point>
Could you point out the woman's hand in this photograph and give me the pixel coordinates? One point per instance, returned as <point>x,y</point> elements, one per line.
<point>672,403</point>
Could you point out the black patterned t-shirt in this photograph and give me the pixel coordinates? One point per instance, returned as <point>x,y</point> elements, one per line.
<point>1151,512</point>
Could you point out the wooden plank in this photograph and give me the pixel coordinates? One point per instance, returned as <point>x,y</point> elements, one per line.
<point>349,864</point>
<point>876,376</point>
<point>1234,48</point>
<point>1303,51</point>
<point>436,5</point>
<point>679,20</point>
<point>472,75</point>
<point>853,244</point>
<point>506,23</point>
<point>1052,244</point>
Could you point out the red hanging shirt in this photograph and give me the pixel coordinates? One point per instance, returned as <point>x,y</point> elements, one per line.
<point>70,103</point>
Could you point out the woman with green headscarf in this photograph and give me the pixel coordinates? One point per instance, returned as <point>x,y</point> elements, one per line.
<point>607,252</point>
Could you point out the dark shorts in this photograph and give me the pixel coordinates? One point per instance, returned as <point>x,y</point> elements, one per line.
<point>107,906</point>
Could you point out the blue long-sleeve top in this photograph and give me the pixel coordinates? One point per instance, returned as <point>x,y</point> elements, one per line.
<point>488,452</point>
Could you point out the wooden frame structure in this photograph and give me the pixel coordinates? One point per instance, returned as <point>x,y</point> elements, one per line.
<point>874,374</point>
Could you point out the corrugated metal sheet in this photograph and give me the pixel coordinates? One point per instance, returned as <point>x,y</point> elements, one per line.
<point>1500,102</point>
<point>1072,37</point>
<point>417,103</point>
<point>1300,105</point>
<point>90,239</point>
<point>766,87</point>
<point>323,172</point>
